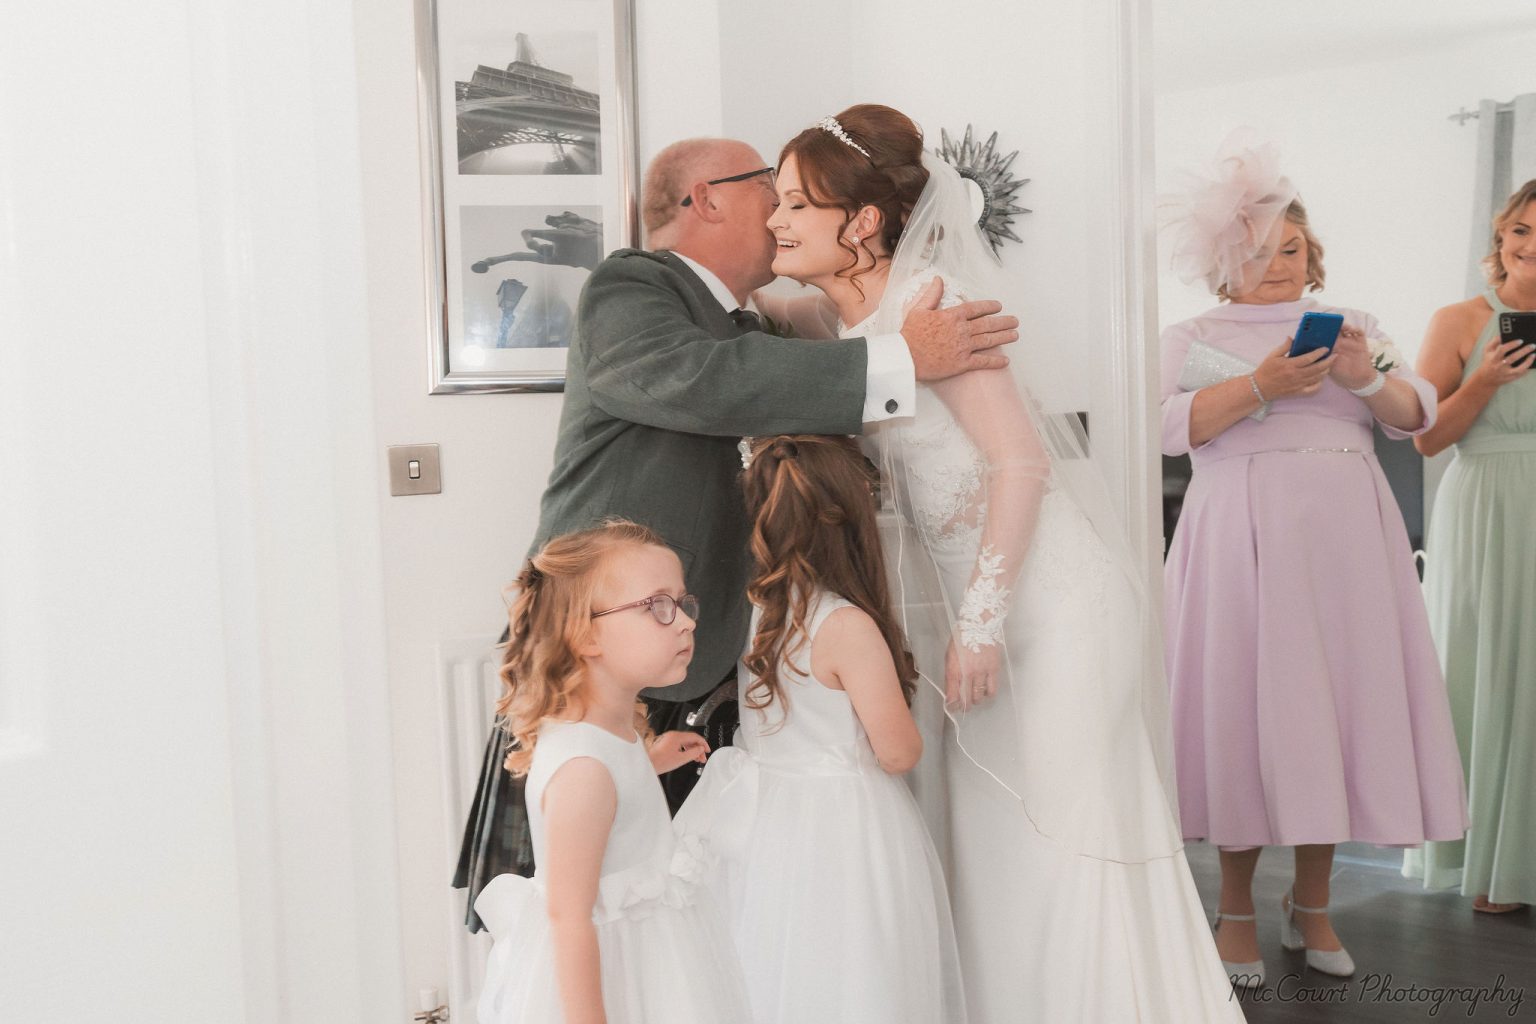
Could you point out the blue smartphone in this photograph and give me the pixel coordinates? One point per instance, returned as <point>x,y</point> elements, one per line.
<point>1316,330</point>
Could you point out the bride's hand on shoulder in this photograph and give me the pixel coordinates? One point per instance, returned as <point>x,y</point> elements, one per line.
<point>672,750</point>
<point>970,677</point>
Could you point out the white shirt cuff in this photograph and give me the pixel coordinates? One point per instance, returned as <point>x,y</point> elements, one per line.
<point>890,383</point>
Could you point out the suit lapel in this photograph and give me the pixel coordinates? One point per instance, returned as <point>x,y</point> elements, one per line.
<point>717,320</point>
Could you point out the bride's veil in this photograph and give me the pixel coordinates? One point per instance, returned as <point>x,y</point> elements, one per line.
<point>1078,735</point>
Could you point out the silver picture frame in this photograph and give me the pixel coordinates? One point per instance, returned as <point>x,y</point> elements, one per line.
<point>542,161</point>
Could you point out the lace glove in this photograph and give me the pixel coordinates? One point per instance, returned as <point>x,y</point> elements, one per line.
<point>985,605</point>
<point>974,656</point>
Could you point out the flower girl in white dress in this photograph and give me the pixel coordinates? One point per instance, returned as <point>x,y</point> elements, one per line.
<point>834,891</point>
<point>612,929</point>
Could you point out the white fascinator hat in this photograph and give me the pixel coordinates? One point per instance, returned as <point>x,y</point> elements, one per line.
<point>1216,219</point>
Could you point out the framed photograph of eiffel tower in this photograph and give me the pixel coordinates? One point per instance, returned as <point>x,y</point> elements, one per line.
<point>530,176</point>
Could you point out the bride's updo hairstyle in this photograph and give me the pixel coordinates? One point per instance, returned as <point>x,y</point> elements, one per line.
<point>889,178</point>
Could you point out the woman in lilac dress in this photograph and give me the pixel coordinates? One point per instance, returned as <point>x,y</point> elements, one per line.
<point>1308,704</point>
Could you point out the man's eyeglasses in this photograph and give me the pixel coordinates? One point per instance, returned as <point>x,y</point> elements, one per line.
<point>688,199</point>
<point>663,607</point>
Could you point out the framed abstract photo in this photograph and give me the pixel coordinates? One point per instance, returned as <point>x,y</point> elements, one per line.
<point>531,172</point>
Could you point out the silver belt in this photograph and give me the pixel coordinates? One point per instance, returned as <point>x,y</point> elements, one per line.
<point>1323,451</point>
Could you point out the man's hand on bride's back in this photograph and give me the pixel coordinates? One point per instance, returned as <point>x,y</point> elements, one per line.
<point>945,342</point>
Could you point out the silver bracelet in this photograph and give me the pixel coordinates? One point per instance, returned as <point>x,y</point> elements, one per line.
<point>1377,383</point>
<point>1253,382</point>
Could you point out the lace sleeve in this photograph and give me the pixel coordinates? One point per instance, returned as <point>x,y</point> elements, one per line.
<point>1014,469</point>
<point>1015,472</point>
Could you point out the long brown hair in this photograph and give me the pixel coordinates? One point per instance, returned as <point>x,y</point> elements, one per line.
<point>890,178</point>
<point>550,621</point>
<point>1492,265</point>
<point>813,510</point>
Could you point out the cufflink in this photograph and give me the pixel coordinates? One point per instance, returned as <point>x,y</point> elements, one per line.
<point>890,405</point>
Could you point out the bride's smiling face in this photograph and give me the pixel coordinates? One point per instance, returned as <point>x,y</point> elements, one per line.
<point>806,235</point>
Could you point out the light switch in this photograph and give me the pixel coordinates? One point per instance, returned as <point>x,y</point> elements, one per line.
<point>414,469</point>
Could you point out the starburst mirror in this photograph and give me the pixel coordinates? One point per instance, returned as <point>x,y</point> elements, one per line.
<point>993,187</point>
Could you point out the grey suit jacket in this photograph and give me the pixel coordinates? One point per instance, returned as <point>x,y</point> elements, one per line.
<point>660,385</point>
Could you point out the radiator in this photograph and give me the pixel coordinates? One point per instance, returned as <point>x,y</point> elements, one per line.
<point>467,690</point>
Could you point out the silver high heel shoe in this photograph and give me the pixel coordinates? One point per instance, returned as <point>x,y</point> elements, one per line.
<point>1241,975</point>
<point>1336,962</point>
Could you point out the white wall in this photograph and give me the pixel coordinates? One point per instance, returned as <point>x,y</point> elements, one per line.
<point>1387,178</point>
<point>114,747</point>
<point>192,730</point>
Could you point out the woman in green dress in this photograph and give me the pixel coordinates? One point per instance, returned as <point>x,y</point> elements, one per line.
<point>1480,579</point>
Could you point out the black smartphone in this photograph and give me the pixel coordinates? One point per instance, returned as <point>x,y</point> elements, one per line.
<point>1519,327</point>
<point>1316,330</point>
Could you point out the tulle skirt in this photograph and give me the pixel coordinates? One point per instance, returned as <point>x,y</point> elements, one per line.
<point>833,891</point>
<point>666,955</point>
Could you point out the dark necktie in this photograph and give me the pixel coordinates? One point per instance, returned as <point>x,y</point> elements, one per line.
<point>746,320</point>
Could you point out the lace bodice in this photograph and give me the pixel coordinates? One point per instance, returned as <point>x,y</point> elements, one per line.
<point>945,469</point>
<point>945,474</point>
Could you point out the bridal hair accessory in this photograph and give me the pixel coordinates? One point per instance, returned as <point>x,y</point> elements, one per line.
<point>1218,220</point>
<point>783,447</point>
<point>829,125</point>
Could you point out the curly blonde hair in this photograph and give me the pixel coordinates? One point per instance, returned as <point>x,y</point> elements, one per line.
<point>550,621</point>
<point>1492,265</point>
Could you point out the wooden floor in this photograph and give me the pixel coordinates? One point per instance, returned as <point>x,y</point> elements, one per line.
<point>1410,948</point>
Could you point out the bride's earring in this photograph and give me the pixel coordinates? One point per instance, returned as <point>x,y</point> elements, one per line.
<point>855,240</point>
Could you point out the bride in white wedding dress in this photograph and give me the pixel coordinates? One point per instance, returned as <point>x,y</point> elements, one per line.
<point>1045,782</point>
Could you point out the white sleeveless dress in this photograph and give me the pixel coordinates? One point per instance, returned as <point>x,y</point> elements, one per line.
<point>833,889</point>
<point>666,956</point>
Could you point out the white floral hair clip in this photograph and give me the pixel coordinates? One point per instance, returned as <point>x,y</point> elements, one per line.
<point>745,447</point>
<point>829,125</point>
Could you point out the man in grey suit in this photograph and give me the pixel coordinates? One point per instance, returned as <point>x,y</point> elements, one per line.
<point>666,372</point>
